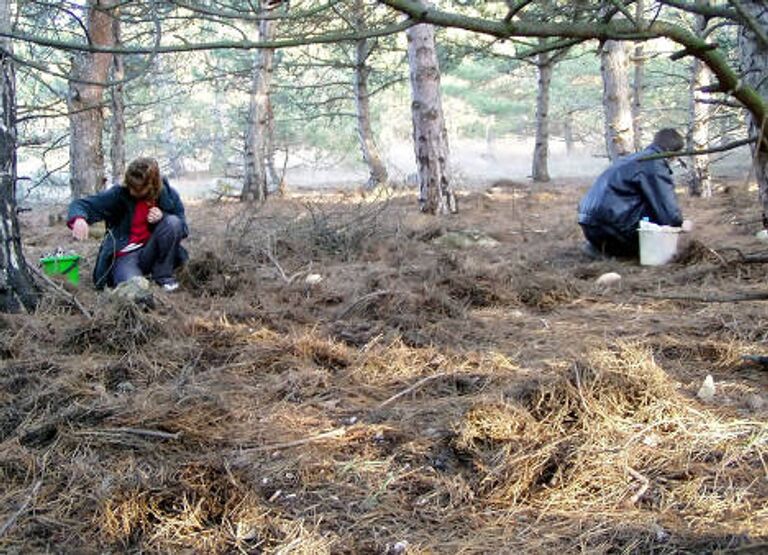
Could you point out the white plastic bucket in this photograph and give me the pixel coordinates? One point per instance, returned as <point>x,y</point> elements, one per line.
<point>658,244</point>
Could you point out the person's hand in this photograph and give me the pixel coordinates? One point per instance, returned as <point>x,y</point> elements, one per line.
<point>154,215</point>
<point>687,226</point>
<point>80,229</point>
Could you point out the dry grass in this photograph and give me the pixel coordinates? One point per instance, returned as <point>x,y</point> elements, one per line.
<point>450,401</point>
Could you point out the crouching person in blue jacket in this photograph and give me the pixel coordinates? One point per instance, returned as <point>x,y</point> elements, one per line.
<point>631,189</point>
<point>145,223</point>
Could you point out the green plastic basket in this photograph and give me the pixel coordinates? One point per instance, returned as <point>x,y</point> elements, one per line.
<point>67,265</point>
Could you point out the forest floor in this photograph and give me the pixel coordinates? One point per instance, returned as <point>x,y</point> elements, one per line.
<point>425,396</point>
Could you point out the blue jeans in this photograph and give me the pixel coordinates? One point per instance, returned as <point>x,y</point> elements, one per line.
<point>156,258</point>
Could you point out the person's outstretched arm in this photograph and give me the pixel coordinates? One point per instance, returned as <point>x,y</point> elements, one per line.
<point>659,191</point>
<point>88,210</point>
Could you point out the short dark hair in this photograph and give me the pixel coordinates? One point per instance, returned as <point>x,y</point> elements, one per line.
<point>668,140</point>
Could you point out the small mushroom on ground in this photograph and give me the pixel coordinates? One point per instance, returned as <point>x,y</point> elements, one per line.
<point>608,279</point>
<point>707,389</point>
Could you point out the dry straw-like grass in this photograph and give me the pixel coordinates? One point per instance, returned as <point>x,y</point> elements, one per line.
<point>450,402</point>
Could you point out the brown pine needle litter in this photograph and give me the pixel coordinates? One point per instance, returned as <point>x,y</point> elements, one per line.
<point>415,399</point>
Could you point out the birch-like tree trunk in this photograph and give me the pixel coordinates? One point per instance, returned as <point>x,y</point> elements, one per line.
<point>638,83</point>
<point>699,182</point>
<point>257,131</point>
<point>430,138</point>
<point>88,75</point>
<point>540,170</point>
<point>17,290</point>
<point>117,127</point>
<point>616,100</point>
<point>371,155</point>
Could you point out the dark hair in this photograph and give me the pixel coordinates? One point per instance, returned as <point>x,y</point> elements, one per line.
<point>142,178</point>
<point>668,140</point>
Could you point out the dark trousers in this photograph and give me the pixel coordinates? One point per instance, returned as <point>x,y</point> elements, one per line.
<point>614,244</point>
<point>156,258</point>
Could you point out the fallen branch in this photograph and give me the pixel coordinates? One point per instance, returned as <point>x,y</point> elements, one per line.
<point>133,431</point>
<point>757,296</point>
<point>58,288</point>
<point>14,517</point>
<point>408,390</point>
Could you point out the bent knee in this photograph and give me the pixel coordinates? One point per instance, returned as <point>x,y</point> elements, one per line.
<point>172,223</point>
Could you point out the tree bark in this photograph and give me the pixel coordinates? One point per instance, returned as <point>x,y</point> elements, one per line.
<point>540,170</point>
<point>699,182</point>
<point>17,289</point>
<point>616,100</point>
<point>256,136</point>
<point>430,138</point>
<point>754,66</point>
<point>88,74</point>
<point>117,138</point>
<point>638,83</point>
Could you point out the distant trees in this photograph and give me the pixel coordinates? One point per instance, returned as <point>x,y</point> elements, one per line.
<point>744,84</point>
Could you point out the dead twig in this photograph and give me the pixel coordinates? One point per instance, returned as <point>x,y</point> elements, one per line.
<point>336,432</point>
<point>27,502</point>
<point>361,300</point>
<point>59,289</point>
<point>408,390</point>
<point>286,278</point>
<point>644,484</point>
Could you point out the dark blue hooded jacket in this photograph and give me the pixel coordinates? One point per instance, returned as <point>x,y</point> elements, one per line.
<point>629,190</point>
<point>115,207</point>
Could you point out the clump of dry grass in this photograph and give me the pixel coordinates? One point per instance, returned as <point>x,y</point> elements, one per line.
<point>118,325</point>
<point>543,291</point>
<point>613,436</point>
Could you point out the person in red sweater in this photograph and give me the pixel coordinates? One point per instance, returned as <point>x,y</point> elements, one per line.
<point>145,225</point>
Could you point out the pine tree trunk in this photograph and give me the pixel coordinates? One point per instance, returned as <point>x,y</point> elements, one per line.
<point>256,136</point>
<point>638,84</point>
<point>616,100</point>
<point>430,138</point>
<point>164,82</point>
<point>754,67</point>
<point>540,170</point>
<point>699,182</point>
<point>570,142</point>
<point>86,113</point>
<point>17,290</point>
<point>371,155</point>
<point>117,142</point>
<point>218,161</point>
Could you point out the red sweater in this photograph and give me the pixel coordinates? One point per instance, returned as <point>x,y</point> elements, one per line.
<point>140,232</point>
